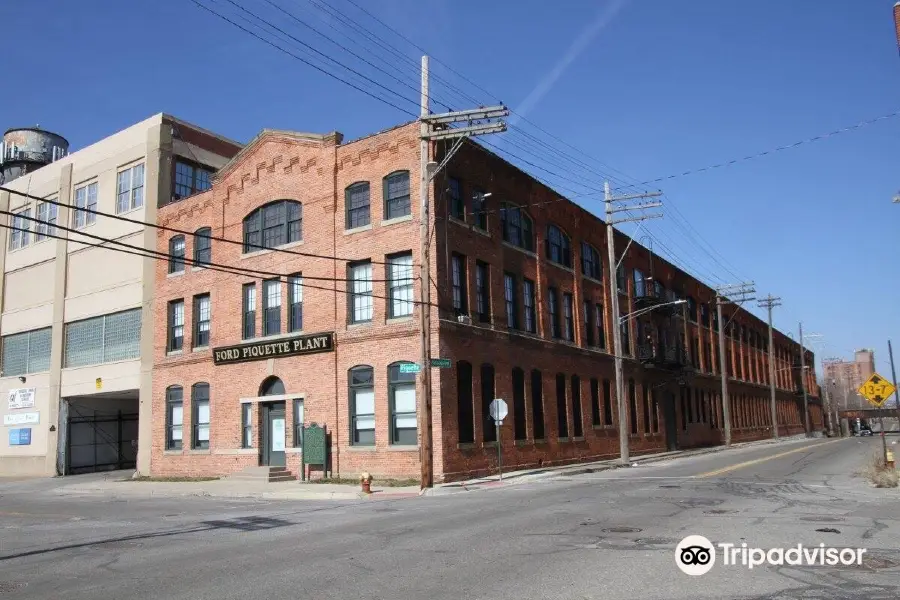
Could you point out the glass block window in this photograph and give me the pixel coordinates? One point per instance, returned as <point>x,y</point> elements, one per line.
<point>26,352</point>
<point>103,339</point>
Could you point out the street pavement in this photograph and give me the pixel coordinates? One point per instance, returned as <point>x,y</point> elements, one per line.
<point>608,534</point>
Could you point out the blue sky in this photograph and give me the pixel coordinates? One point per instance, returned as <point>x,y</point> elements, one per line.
<point>648,87</point>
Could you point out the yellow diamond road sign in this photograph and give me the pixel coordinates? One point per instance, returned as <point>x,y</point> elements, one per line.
<point>876,390</point>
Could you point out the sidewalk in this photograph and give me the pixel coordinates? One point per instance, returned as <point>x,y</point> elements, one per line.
<point>117,484</point>
<point>526,475</point>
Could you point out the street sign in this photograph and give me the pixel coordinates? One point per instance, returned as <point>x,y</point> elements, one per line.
<point>410,368</point>
<point>441,363</point>
<point>876,390</point>
<point>498,410</point>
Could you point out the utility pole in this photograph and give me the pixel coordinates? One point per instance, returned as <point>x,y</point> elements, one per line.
<point>611,210</point>
<point>770,302</point>
<point>894,377</point>
<point>803,383</point>
<point>741,293</point>
<point>469,123</point>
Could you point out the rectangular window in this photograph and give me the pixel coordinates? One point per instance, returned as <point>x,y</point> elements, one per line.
<point>518,382</point>
<point>202,247</point>
<point>200,416</point>
<point>46,224</point>
<point>174,418</point>
<point>577,426</point>
<point>562,422</point>
<point>640,286</point>
<point>598,322</point>
<point>396,195</point>
<point>402,398</point>
<point>20,229</point>
<point>360,288</point>
<point>295,302</point>
<point>176,254</point>
<point>479,210</point>
<point>26,352</point>
<point>458,283</point>
<point>362,406</point>
<point>190,180</point>
<point>400,282</point>
<point>607,403</point>
<point>246,425</point>
<point>249,311</point>
<point>648,407</point>
<point>202,318</point>
<point>568,318</point>
<point>537,404</point>
<point>590,262</point>
<point>588,324</point>
<point>654,401</point>
<point>298,423</point>
<point>356,197</point>
<point>626,338</point>
<point>457,206</point>
<point>271,307</point>
<point>553,303</point>
<point>483,291</point>
<point>85,200</point>
<point>692,309</point>
<point>489,426</point>
<point>130,189</point>
<point>632,407</point>
<point>595,402</point>
<point>176,326</point>
<point>621,285</point>
<point>104,339</point>
<point>530,306</point>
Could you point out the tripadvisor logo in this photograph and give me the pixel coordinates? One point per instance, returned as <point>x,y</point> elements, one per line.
<point>696,555</point>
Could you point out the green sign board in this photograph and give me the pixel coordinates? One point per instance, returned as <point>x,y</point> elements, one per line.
<point>315,447</point>
<point>410,368</point>
<point>441,363</point>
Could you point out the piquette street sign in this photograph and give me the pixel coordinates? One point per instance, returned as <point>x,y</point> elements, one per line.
<point>295,346</point>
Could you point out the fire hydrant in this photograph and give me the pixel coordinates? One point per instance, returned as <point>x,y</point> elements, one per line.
<point>889,458</point>
<point>365,481</point>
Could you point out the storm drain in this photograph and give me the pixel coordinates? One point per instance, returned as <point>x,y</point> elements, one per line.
<point>622,530</point>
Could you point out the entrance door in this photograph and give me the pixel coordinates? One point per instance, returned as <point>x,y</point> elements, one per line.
<point>671,421</point>
<point>273,416</point>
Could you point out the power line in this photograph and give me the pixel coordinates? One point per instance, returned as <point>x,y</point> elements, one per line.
<point>182,231</point>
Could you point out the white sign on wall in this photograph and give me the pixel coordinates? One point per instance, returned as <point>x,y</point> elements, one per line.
<point>31,418</point>
<point>21,398</point>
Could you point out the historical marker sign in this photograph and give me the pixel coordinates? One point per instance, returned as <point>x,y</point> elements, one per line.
<point>315,447</point>
<point>876,390</point>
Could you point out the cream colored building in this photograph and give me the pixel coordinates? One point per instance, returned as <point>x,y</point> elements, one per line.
<point>76,320</point>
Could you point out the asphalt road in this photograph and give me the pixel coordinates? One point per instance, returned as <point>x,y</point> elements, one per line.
<point>604,535</point>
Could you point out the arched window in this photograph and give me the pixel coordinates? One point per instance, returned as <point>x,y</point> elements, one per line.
<point>562,421</point>
<point>402,399</point>
<point>361,388</point>
<point>577,425</point>
<point>200,416</point>
<point>396,195</point>
<point>272,386</point>
<point>518,384</point>
<point>487,396</point>
<point>537,404</point>
<point>465,414</point>
<point>174,417</point>
<point>559,248</point>
<point>202,246</point>
<point>176,254</point>
<point>273,225</point>
<point>356,200</point>
<point>590,262</point>
<point>516,226</point>
<point>632,406</point>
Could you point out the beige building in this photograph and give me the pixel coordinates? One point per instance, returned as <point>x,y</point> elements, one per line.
<point>844,378</point>
<point>75,319</point>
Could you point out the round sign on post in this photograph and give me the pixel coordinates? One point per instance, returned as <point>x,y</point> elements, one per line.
<point>498,410</point>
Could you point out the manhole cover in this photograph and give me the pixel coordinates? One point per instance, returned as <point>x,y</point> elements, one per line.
<point>822,519</point>
<point>827,530</point>
<point>719,511</point>
<point>622,530</point>
<point>10,586</point>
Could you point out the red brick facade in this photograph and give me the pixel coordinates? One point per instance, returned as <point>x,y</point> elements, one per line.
<point>316,170</point>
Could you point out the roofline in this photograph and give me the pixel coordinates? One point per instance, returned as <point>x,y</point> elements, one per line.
<point>182,122</point>
<point>237,158</point>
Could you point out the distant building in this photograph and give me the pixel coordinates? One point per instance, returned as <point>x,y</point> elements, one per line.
<point>844,378</point>
<point>76,320</point>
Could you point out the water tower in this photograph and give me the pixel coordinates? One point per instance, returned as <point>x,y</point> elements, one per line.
<point>26,149</point>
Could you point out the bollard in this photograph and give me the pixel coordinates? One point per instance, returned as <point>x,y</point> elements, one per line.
<point>889,458</point>
<point>365,481</point>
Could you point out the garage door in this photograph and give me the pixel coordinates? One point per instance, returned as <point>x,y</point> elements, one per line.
<point>100,441</point>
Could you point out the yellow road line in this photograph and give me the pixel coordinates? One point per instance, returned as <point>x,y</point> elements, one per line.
<point>764,459</point>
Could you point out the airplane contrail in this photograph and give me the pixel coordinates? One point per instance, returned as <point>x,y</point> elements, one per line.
<point>578,45</point>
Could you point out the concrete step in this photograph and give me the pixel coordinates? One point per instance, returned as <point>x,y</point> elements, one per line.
<point>262,474</point>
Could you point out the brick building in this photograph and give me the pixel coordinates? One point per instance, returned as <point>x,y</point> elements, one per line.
<point>845,378</point>
<point>520,276</point>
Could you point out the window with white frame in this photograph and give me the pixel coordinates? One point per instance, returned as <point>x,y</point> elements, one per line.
<point>400,275</point>
<point>271,307</point>
<point>298,423</point>
<point>362,405</point>
<point>295,302</point>
<point>176,326</point>
<point>402,399</point>
<point>248,317</point>
<point>509,299</point>
<point>174,417</point>
<point>200,416</point>
<point>176,254</point>
<point>20,229</point>
<point>130,189</point>
<point>246,425</point>
<point>45,226</point>
<point>85,200</point>
<point>360,286</point>
<point>202,317</point>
